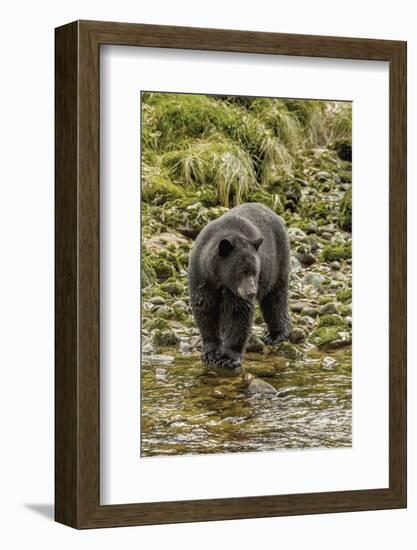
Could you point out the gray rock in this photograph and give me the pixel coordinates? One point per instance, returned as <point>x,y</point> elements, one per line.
<point>172,289</point>
<point>160,374</point>
<point>307,321</point>
<point>260,387</point>
<point>309,311</point>
<point>305,258</point>
<point>157,300</point>
<point>185,347</point>
<point>329,363</point>
<point>147,348</point>
<point>295,264</point>
<point>328,309</point>
<point>157,359</point>
<point>297,307</point>
<point>335,265</point>
<point>314,279</point>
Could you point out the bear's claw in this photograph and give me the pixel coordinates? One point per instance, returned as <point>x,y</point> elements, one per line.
<point>228,363</point>
<point>210,357</point>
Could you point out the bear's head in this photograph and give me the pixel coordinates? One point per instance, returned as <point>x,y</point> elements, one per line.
<point>239,265</point>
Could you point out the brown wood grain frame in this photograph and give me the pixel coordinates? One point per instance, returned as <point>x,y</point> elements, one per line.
<point>77,358</point>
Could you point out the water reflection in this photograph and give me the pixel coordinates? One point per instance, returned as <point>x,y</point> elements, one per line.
<point>187,409</point>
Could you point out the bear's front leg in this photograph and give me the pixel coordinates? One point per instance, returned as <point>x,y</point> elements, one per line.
<point>205,304</point>
<point>237,318</point>
<point>275,313</point>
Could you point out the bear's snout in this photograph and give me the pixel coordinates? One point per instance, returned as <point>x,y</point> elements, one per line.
<point>247,289</point>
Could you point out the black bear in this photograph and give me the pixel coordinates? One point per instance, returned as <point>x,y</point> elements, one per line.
<point>241,257</point>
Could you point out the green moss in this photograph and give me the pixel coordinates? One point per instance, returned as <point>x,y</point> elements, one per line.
<point>157,189</point>
<point>148,275</point>
<point>156,323</point>
<point>327,337</point>
<point>331,321</point>
<point>345,211</point>
<point>332,252</point>
<point>346,176</point>
<point>346,310</point>
<point>320,211</point>
<point>325,299</point>
<point>173,287</point>
<point>162,268</point>
<point>271,200</point>
<point>289,351</point>
<point>164,338</point>
<point>344,295</point>
<point>289,192</point>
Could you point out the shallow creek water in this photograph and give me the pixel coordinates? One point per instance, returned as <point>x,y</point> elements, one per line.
<point>189,409</point>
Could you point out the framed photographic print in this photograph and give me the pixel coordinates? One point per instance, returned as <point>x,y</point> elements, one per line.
<point>230,274</point>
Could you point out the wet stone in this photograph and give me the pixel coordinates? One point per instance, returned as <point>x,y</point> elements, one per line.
<point>297,335</point>
<point>261,388</point>
<point>255,345</point>
<point>157,359</point>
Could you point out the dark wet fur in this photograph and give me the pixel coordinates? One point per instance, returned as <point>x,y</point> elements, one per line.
<point>223,317</point>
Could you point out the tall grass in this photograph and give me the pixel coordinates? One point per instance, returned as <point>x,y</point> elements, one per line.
<point>340,125</point>
<point>233,145</point>
<point>225,166</point>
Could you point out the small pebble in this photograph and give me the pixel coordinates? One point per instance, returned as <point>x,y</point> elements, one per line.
<point>160,374</point>
<point>328,363</point>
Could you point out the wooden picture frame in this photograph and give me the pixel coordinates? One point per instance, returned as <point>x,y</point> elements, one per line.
<point>77,374</point>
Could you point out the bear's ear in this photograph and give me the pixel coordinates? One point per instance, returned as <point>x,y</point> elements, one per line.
<point>257,243</point>
<point>225,247</point>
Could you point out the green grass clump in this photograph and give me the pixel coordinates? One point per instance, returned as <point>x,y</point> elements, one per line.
<point>172,118</point>
<point>225,166</point>
<point>331,321</point>
<point>332,252</point>
<point>345,211</point>
<point>341,122</point>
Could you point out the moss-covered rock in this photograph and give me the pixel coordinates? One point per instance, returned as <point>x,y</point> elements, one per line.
<point>331,337</point>
<point>156,323</point>
<point>345,211</point>
<point>289,351</point>
<point>165,312</point>
<point>332,252</point>
<point>173,287</point>
<point>162,269</point>
<point>344,295</point>
<point>331,321</point>
<point>158,189</point>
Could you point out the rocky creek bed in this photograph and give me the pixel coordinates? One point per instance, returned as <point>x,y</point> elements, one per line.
<point>295,395</point>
